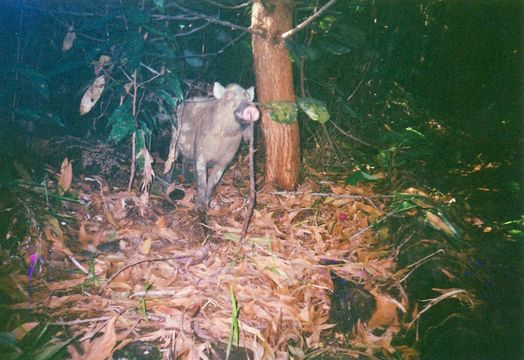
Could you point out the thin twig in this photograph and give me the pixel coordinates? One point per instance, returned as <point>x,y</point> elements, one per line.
<point>77,264</point>
<point>148,260</point>
<point>81,321</point>
<point>308,21</point>
<point>349,135</point>
<point>417,264</point>
<point>252,184</point>
<point>336,196</point>
<point>133,137</point>
<point>394,212</point>
<point>361,81</point>
<point>213,19</point>
<point>453,293</point>
<point>192,31</point>
<point>232,7</point>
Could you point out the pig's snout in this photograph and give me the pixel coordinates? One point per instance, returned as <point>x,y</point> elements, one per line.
<point>247,112</point>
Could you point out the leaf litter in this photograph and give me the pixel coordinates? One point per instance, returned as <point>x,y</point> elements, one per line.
<point>119,274</point>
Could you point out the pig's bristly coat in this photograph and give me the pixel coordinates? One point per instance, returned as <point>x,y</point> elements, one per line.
<point>211,131</point>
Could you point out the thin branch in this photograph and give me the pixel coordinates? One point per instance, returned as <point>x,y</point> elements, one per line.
<point>209,18</point>
<point>419,263</point>
<point>336,196</point>
<point>361,81</point>
<point>201,257</point>
<point>192,31</point>
<point>369,227</point>
<point>460,294</point>
<point>350,135</point>
<point>218,52</point>
<point>252,184</point>
<point>232,7</point>
<point>308,21</point>
<point>81,321</point>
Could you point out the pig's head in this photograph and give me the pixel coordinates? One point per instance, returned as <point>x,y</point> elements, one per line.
<point>239,100</point>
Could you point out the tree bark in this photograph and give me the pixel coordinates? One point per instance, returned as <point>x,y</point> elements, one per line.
<point>274,80</point>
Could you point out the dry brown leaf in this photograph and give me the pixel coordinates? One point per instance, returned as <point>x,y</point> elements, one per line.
<point>83,237</point>
<point>369,209</point>
<point>92,95</point>
<point>172,154</point>
<point>54,233</point>
<point>103,60</point>
<point>23,329</point>
<point>66,176</point>
<point>102,347</point>
<point>438,223</point>
<point>148,173</point>
<point>65,284</point>
<point>146,246</point>
<point>313,340</point>
<point>385,313</point>
<point>69,39</point>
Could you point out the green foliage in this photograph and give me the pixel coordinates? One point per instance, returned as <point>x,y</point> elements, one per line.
<point>234,329</point>
<point>299,50</point>
<point>140,144</point>
<point>36,79</point>
<point>121,122</point>
<point>360,176</point>
<point>142,304</point>
<point>40,343</point>
<point>283,112</point>
<point>315,109</point>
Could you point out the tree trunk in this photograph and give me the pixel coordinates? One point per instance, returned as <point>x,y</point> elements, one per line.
<point>274,79</point>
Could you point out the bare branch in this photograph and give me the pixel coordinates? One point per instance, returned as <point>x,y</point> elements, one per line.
<point>233,7</point>
<point>351,136</point>
<point>336,196</point>
<point>308,21</point>
<point>208,18</point>
<point>192,31</point>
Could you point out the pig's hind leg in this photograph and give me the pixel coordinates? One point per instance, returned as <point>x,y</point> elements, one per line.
<point>201,172</point>
<point>186,174</point>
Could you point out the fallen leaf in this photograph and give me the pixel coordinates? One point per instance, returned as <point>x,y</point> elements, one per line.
<point>66,176</point>
<point>92,95</point>
<point>102,347</point>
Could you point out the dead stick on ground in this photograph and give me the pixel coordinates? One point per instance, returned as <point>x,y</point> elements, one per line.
<point>336,196</point>
<point>200,258</point>
<point>252,185</point>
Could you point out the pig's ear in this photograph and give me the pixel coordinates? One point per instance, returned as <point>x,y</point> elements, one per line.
<point>251,93</point>
<point>218,90</point>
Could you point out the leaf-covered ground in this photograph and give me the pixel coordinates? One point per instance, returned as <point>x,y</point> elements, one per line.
<point>108,271</point>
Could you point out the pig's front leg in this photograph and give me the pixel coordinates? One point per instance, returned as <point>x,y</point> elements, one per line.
<point>201,170</point>
<point>247,134</point>
<point>214,178</point>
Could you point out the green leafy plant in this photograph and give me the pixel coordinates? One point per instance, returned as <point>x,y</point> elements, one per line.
<point>233,330</point>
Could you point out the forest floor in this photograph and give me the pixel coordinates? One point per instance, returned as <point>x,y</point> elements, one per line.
<point>103,272</point>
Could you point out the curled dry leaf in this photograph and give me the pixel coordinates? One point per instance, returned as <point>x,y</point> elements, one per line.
<point>436,222</point>
<point>172,155</point>
<point>386,312</point>
<point>92,95</point>
<point>101,63</point>
<point>148,173</point>
<point>66,176</point>
<point>102,347</point>
<point>69,39</point>
<point>146,246</point>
